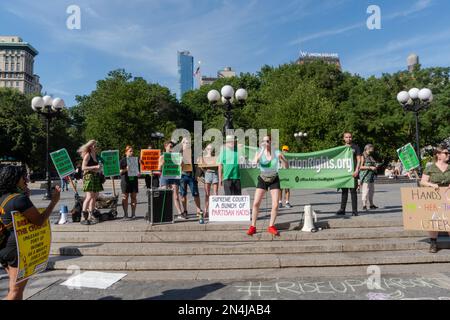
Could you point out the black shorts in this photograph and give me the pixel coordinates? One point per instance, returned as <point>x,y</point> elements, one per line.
<point>275,185</point>
<point>129,186</point>
<point>8,255</point>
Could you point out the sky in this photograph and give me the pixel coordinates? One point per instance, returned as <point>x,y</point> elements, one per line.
<point>143,36</point>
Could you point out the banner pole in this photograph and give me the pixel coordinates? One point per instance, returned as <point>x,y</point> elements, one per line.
<point>114,186</point>
<point>72,184</point>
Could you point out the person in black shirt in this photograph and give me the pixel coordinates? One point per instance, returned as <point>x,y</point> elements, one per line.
<point>129,185</point>
<point>14,196</point>
<point>348,139</point>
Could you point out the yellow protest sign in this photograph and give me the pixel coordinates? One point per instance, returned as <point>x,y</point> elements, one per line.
<point>33,245</point>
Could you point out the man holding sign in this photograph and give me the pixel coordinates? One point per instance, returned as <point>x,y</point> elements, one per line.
<point>14,198</point>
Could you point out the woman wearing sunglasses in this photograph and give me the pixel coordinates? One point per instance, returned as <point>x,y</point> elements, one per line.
<point>437,176</point>
<point>268,179</point>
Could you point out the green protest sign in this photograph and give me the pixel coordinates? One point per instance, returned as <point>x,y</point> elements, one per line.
<point>62,163</point>
<point>172,165</point>
<point>327,169</point>
<point>408,157</point>
<point>111,166</point>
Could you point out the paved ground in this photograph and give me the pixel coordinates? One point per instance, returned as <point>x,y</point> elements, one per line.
<point>395,282</point>
<point>405,285</point>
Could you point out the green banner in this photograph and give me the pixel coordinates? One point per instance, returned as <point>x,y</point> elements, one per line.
<point>408,157</point>
<point>62,163</point>
<point>172,165</point>
<point>327,169</point>
<point>111,166</point>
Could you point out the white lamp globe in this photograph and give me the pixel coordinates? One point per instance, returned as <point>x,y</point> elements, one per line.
<point>47,101</point>
<point>403,97</point>
<point>425,94</point>
<point>37,103</point>
<point>305,134</point>
<point>213,96</point>
<point>227,92</point>
<point>58,104</point>
<point>414,93</point>
<point>296,135</point>
<point>241,95</point>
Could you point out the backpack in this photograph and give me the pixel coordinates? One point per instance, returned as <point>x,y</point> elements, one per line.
<point>5,227</point>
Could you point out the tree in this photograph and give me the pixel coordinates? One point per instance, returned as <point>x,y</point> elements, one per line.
<point>125,110</point>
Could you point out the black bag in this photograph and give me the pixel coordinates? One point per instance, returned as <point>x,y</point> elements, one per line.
<point>5,227</point>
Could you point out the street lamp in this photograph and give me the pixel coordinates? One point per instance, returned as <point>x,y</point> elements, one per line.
<point>227,95</point>
<point>416,100</point>
<point>48,108</point>
<point>157,136</point>
<point>300,135</point>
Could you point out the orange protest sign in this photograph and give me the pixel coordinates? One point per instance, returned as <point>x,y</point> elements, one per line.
<point>150,160</point>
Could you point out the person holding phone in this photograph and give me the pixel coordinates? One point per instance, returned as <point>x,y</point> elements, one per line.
<point>268,179</point>
<point>14,196</point>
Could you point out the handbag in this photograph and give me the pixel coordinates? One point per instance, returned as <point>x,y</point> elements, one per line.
<point>268,177</point>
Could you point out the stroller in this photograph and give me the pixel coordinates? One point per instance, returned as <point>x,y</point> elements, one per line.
<point>105,206</point>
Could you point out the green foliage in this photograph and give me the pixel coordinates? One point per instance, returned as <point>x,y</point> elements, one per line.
<point>319,99</point>
<point>125,110</point>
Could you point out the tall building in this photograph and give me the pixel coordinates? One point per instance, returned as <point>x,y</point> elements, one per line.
<point>331,58</point>
<point>227,72</point>
<point>17,65</point>
<point>185,72</point>
<point>413,60</point>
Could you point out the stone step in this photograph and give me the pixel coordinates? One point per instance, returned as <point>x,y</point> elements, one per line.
<point>231,236</point>
<point>231,262</point>
<point>238,248</point>
<point>142,226</point>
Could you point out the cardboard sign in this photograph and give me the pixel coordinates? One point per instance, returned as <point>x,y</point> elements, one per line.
<point>133,166</point>
<point>150,161</point>
<point>229,208</point>
<point>426,209</point>
<point>208,163</point>
<point>33,245</point>
<point>408,157</point>
<point>111,164</point>
<point>172,166</point>
<point>62,163</point>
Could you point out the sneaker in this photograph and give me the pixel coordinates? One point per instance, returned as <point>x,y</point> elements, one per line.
<point>355,214</point>
<point>251,231</point>
<point>433,246</point>
<point>364,208</point>
<point>340,213</point>
<point>274,231</point>
<point>280,205</point>
<point>184,215</point>
<point>288,205</point>
<point>373,207</point>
